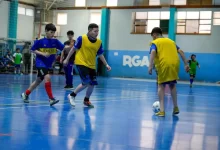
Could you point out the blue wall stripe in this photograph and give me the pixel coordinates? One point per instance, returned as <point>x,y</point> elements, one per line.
<point>134,64</point>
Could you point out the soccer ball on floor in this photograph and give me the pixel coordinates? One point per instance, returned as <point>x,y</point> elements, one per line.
<point>156,107</point>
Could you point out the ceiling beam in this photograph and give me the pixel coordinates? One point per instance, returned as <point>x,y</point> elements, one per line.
<point>51,4</point>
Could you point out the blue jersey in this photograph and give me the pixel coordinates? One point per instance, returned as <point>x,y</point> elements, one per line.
<point>46,45</point>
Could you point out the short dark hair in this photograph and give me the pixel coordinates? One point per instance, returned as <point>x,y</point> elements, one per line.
<point>50,27</point>
<point>17,49</point>
<point>92,25</point>
<point>193,55</point>
<point>156,30</point>
<point>70,32</point>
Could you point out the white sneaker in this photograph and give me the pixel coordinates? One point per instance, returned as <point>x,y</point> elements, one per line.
<point>25,98</point>
<point>71,100</point>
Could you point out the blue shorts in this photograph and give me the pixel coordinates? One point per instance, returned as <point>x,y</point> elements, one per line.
<point>87,75</point>
<point>17,66</point>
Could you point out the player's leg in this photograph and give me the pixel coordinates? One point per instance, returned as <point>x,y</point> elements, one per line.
<point>191,79</point>
<point>84,74</point>
<point>15,69</point>
<point>161,93</point>
<point>19,69</point>
<point>93,82</point>
<point>66,71</point>
<point>70,75</point>
<point>25,95</point>
<point>48,87</point>
<point>174,98</point>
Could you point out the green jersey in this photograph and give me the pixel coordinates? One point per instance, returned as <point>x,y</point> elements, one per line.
<point>193,65</point>
<point>17,58</point>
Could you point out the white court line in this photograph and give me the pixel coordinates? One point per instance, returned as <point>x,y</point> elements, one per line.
<point>181,82</point>
<point>97,101</point>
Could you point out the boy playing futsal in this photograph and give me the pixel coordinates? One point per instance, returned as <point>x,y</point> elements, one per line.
<point>17,61</point>
<point>87,47</point>
<point>164,54</point>
<point>46,50</point>
<point>69,67</point>
<point>193,65</point>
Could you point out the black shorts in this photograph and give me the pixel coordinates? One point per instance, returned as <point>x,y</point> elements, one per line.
<point>41,72</point>
<point>192,75</point>
<point>87,75</point>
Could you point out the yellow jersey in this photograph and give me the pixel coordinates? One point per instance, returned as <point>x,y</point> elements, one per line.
<point>166,60</point>
<point>86,54</point>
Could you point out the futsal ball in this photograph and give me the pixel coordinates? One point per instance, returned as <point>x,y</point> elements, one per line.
<point>156,107</point>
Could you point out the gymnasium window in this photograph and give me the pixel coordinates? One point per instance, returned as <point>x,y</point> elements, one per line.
<point>29,12</point>
<point>80,3</point>
<point>61,19</point>
<point>112,3</point>
<point>154,2</point>
<point>144,22</point>
<point>179,2</point>
<point>194,22</point>
<point>216,18</point>
<point>21,10</point>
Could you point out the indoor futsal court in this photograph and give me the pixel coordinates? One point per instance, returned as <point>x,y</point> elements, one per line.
<point>109,75</point>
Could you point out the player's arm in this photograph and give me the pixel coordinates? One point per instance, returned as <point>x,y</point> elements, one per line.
<point>102,58</point>
<point>153,51</point>
<point>73,49</point>
<point>198,65</point>
<point>77,45</point>
<point>35,49</point>
<point>151,65</point>
<point>185,61</point>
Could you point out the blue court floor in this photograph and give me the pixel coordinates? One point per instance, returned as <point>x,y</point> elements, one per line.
<point>121,120</point>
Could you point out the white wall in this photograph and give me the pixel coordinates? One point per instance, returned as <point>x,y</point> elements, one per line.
<point>25,25</point>
<point>120,37</point>
<point>4,6</point>
<point>78,21</point>
<point>200,43</point>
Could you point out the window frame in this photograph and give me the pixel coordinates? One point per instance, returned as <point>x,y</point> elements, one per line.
<point>216,18</point>
<point>201,23</point>
<point>139,24</point>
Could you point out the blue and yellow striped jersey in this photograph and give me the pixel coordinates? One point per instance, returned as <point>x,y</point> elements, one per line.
<point>47,45</point>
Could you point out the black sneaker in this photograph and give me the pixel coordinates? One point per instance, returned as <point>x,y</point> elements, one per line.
<point>53,101</point>
<point>25,98</point>
<point>65,87</point>
<point>69,87</point>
